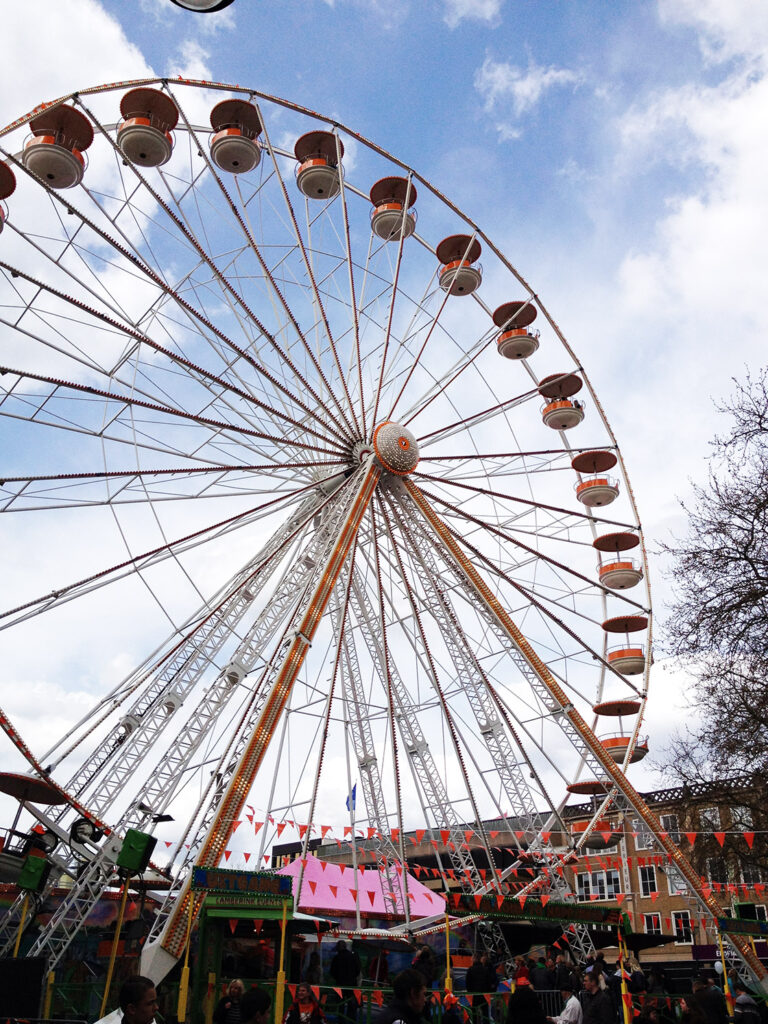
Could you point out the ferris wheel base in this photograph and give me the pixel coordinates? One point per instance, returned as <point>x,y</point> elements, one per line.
<point>156,962</point>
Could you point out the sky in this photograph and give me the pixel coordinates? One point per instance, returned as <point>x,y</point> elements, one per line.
<point>615,153</point>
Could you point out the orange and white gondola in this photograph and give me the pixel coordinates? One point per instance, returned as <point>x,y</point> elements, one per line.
<point>515,340</point>
<point>589,787</point>
<point>561,411</point>
<point>144,135</point>
<point>617,746</point>
<point>235,141</point>
<point>54,154</point>
<point>618,573</point>
<point>7,187</point>
<point>628,658</point>
<point>460,273</point>
<point>392,217</point>
<point>598,489</point>
<point>319,171</point>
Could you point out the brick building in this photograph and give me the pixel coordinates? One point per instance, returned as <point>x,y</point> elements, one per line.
<point>718,825</point>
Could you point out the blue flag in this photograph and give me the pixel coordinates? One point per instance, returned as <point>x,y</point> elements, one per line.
<point>352,798</point>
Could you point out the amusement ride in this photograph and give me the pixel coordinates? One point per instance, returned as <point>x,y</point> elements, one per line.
<point>350,483</point>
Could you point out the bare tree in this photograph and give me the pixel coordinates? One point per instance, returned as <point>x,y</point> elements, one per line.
<point>718,623</point>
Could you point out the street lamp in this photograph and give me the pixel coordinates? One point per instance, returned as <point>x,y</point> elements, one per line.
<point>203,6</point>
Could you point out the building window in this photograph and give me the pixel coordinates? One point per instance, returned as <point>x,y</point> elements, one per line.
<point>750,873</point>
<point>647,876</point>
<point>583,886</point>
<point>643,838</point>
<point>681,921</point>
<point>760,914</point>
<point>709,819</point>
<point>604,885</point>
<point>741,818</point>
<point>652,924</point>
<point>612,884</point>
<point>671,826</point>
<point>717,869</point>
<point>677,884</point>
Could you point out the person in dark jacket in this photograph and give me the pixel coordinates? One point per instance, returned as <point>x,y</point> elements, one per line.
<point>745,1009</point>
<point>596,1003</point>
<point>708,998</point>
<point>254,1006</point>
<point>524,1006</point>
<point>345,970</point>
<point>424,963</point>
<point>409,1000</point>
<point>689,1011</point>
<point>228,1007</point>
<point>542,977</point>
<point>480,978</point>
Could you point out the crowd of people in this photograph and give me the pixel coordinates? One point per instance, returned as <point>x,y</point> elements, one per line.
<point>589,996</point>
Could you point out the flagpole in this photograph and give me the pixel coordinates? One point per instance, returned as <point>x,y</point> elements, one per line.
<point>354,858</point>
<point>351,800</point>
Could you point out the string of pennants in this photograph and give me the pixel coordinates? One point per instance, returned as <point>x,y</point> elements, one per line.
<point>418,835</point>
<point>542,861</point>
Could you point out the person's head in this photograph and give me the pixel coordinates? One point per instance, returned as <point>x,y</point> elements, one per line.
<point>739,986</point>
<point>477,958</point>
<point>592,980</point>
<point>566,989</point>
<point>138,1000</point>
<point>236,989</point>
<point>304,993</point>
<point>698,985</point>
<point>409,988</point>
<point>341,946</point>
<point>254,1006</point>
<point>314,959</point>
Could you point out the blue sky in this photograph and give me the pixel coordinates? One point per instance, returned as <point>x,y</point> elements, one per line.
<point>615,152</point>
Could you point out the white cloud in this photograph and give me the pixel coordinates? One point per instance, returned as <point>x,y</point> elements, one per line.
<point>457,11</point>
<point>502,85</point>
<point>191,61</point>
<point>728,28</point>
<point>97,49</point>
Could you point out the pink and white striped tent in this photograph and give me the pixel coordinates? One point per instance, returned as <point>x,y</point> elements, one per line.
<point>332,888</point>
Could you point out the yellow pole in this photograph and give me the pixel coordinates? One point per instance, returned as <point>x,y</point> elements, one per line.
<point>181,1008</point>
<point>113,954</point>
<point>280,986</point>
<point>726,985</point>
<point>448,979</point>
<point>211,1002</point>
<point>48,995</point>
<point>24,906</point>
<point>625,1001</point>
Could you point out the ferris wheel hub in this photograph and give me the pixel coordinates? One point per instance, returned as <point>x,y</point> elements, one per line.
<point>396,448</point>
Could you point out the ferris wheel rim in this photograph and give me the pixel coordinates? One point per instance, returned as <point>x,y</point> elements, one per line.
<point>412,174</point>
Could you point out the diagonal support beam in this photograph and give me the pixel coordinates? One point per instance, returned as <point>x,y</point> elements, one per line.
<point>158,961</point>
<point>611,769</point>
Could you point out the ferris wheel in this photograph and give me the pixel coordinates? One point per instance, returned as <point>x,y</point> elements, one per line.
<point>267,416</point>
